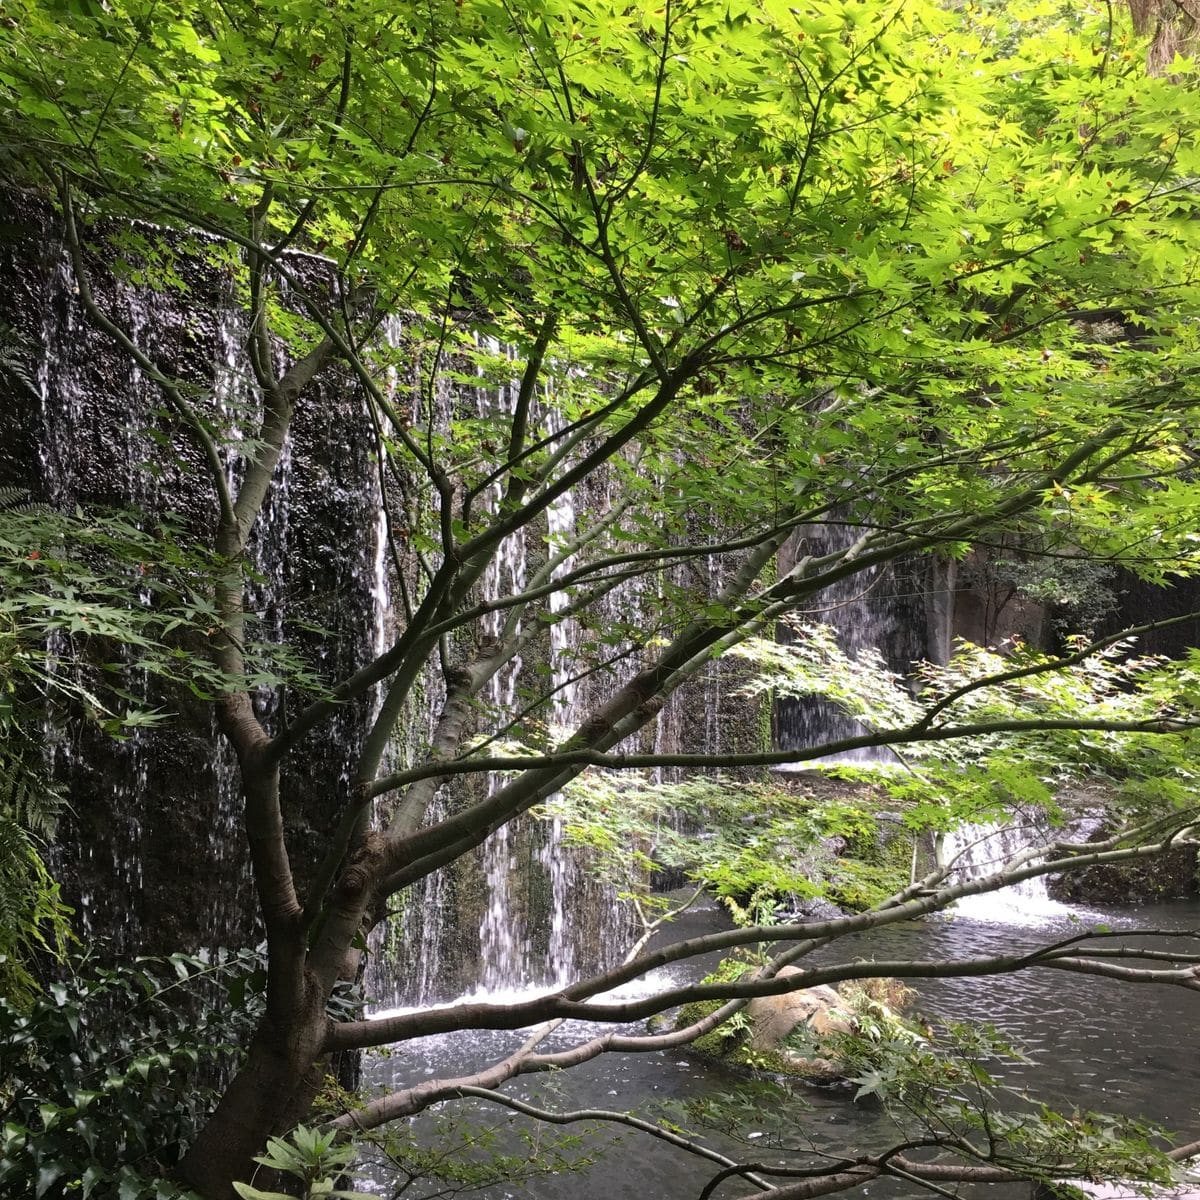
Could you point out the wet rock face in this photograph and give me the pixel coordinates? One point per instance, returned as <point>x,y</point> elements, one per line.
<point>1172,876</point>
<point>151,854</point>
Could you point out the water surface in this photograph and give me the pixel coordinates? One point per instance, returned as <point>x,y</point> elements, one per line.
<point>1093,1043</point>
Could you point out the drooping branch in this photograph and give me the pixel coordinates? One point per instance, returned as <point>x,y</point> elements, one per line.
<point>612,1117</point>
<point>359,1035</point>
<point>1057,663</point>
<point>571,1002</point>
<point>900,1166</point>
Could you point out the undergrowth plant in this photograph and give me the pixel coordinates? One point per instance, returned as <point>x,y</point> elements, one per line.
<point>105,1078</point>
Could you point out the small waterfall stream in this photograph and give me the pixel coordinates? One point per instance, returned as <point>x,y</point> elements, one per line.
<point>560,866</point>
<point>977,850</point>
<point>521,912</point>
<point>505,950</point>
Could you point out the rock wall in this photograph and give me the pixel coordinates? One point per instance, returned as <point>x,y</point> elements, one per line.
<point>150,853</point>
<point>1172,876</point>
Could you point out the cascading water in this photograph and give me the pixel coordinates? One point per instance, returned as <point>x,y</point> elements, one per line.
<point>558,864</point>
<point>504,938</point>
<point>69,426</point>
<point>526,934</point>
<point>151,853</point>
<point>976,851</point>
<point>541,918</point>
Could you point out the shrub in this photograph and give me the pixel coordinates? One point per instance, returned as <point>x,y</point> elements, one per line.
<point>105,1079</point>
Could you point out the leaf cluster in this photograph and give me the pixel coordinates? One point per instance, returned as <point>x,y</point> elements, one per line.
<point>458,1150</point>
<point>950,1091</point>
<point>757,846</point>
<point>105,1080</point>
<point>1000,772</point>
<point>312,1156</point>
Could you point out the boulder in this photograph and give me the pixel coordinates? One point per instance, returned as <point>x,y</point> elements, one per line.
<point>816,1010</point>
<point>774,1018</point>
<point>766,1038</point>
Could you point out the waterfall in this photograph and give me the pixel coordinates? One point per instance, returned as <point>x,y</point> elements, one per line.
<point>530,929</point>
<point>521,912</point>
<point>977,850</point>
<point>109,860</point>
<point>505,948</point>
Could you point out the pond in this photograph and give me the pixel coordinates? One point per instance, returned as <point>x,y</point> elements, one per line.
<point>1130,1050</point>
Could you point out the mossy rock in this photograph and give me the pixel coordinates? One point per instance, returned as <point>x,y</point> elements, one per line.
<point>784,1035</point>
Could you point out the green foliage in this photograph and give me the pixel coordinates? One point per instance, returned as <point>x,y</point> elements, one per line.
<point>851,261</point>
<point>33,918</point>
<point>459,1150</point>
<point>951,1090</point>
<point>946,1092</point>
<point>16,377</point>
<point>857,885</point>
<point>878,1034</point>
<point>759,845</point>
<point>727,1038</point>
<point>310,1155</point>
<point>879,217</point>
<point>755,845</point>
<point>84,594</point>
<point>66,582</point>
<point>105,1080</point>
<point>1000,772</point>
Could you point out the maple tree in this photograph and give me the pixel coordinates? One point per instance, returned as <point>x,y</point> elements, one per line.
<point>920,274</point>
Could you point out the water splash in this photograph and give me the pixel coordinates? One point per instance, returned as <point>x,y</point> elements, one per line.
<point>977,851</point>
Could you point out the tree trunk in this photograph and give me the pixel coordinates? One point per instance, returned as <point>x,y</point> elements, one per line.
<point>271,1093</point>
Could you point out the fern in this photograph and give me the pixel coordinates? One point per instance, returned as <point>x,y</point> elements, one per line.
<point>34,922</point>
<point>14,365</point>
<point>33,918</point>
<point>27,796</point>
<point>17,500</point>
